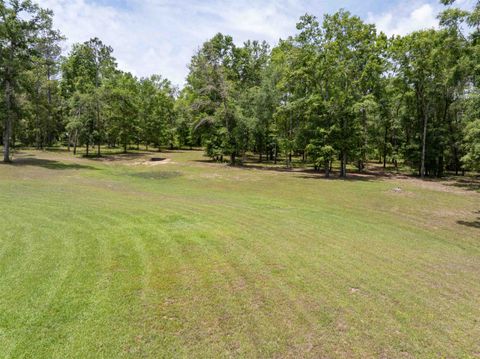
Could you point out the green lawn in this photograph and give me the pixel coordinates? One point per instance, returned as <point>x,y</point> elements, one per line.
<point>123,258</point>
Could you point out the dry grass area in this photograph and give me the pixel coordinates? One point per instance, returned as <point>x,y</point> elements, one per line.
<point>127,257</point>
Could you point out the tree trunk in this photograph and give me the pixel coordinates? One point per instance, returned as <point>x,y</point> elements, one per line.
<point>7,131</point>
<point>49,98</point>
<point>87,147</point>
<point>440,166</point>
<point>360,166</point>
<point>365,140</point>
<point>327,169</point>
<point>457,161</point>
<point>424,144</point>
<point>38,136</point>
<point>75,143</point>
<point>385,147</point>
<point>97,108</point>
<point>343,164</point>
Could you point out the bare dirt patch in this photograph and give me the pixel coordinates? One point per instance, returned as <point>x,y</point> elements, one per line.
<point>399,191</point>
<point>151,162</point>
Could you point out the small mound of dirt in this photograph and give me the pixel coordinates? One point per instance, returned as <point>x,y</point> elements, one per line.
<point>157,159</point>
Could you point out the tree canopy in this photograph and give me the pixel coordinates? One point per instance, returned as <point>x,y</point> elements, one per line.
<point>335,93</point>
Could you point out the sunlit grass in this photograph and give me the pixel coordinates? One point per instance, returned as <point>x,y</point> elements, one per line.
<point>119,258</point>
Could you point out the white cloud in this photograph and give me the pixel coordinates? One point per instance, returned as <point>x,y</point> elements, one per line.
<point>160,36</point>
<point>398,22</point>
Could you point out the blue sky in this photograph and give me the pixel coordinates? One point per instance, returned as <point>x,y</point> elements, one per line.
<point>160,36</point>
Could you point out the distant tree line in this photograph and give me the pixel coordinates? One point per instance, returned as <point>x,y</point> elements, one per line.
<point>336,92</point>
<point>82,99</point>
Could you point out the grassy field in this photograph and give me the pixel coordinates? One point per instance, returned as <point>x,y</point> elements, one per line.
<point>122,257</point>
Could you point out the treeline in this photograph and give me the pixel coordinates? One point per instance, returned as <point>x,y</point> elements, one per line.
<point>82,99</point>
<point>336,91</point>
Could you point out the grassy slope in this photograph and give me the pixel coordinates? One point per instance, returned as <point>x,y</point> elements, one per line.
<point>190,259</point>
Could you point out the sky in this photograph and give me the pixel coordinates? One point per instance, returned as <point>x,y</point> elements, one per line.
<point>160,36</point>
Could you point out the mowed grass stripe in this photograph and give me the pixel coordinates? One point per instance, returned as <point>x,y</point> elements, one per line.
<point>178,270</point>
<point>253,226</point>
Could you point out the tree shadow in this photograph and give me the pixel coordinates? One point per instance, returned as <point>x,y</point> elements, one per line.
<point>307,173</point>
<point>303,172</point>
<point>56,149</point>
<point>156,175</point>
<point>468,183</point>
<point>472,224</point>
<point>49,164</point>
<point>121,156</point>
<point>335,177</point>
<point>163,150</point>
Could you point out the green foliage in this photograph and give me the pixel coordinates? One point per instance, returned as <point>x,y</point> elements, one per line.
<point>472,145</point>
<point>337,83</point>
<point>26,40</point>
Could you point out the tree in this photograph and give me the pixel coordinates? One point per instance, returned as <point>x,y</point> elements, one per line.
<point>337,91</point>
<point>84,71</point>
<point>331,80</point>
<point>122,108</point>
<point>472,145</point>
<point>23,25</point>
<point>212,81</point>
<point>43,90</point>
<point>156,111</point>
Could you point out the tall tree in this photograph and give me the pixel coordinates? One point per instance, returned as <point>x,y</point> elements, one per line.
<point>156,111</point>
<point>22,27</point>
<point>122,108</point>
<point>212,81</point>
<point>84,71</point>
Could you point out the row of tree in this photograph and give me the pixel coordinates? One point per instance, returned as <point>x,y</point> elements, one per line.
<point>339,90</point>
<point>336,91</point>
<point>81,99</point>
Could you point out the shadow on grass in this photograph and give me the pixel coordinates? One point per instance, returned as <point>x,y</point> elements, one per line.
<point>156,175</point>
<point>335,177</point>
<point>468,183</point>
<point>307,173</point>
<point>56,149</point>
<point>50,164</point>
<point>120,156</point>
<point>163,150</point>
<point>210,161</point>
<point>472,224</point>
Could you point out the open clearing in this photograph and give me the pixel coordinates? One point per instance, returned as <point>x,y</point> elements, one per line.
<point>185,258</point>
